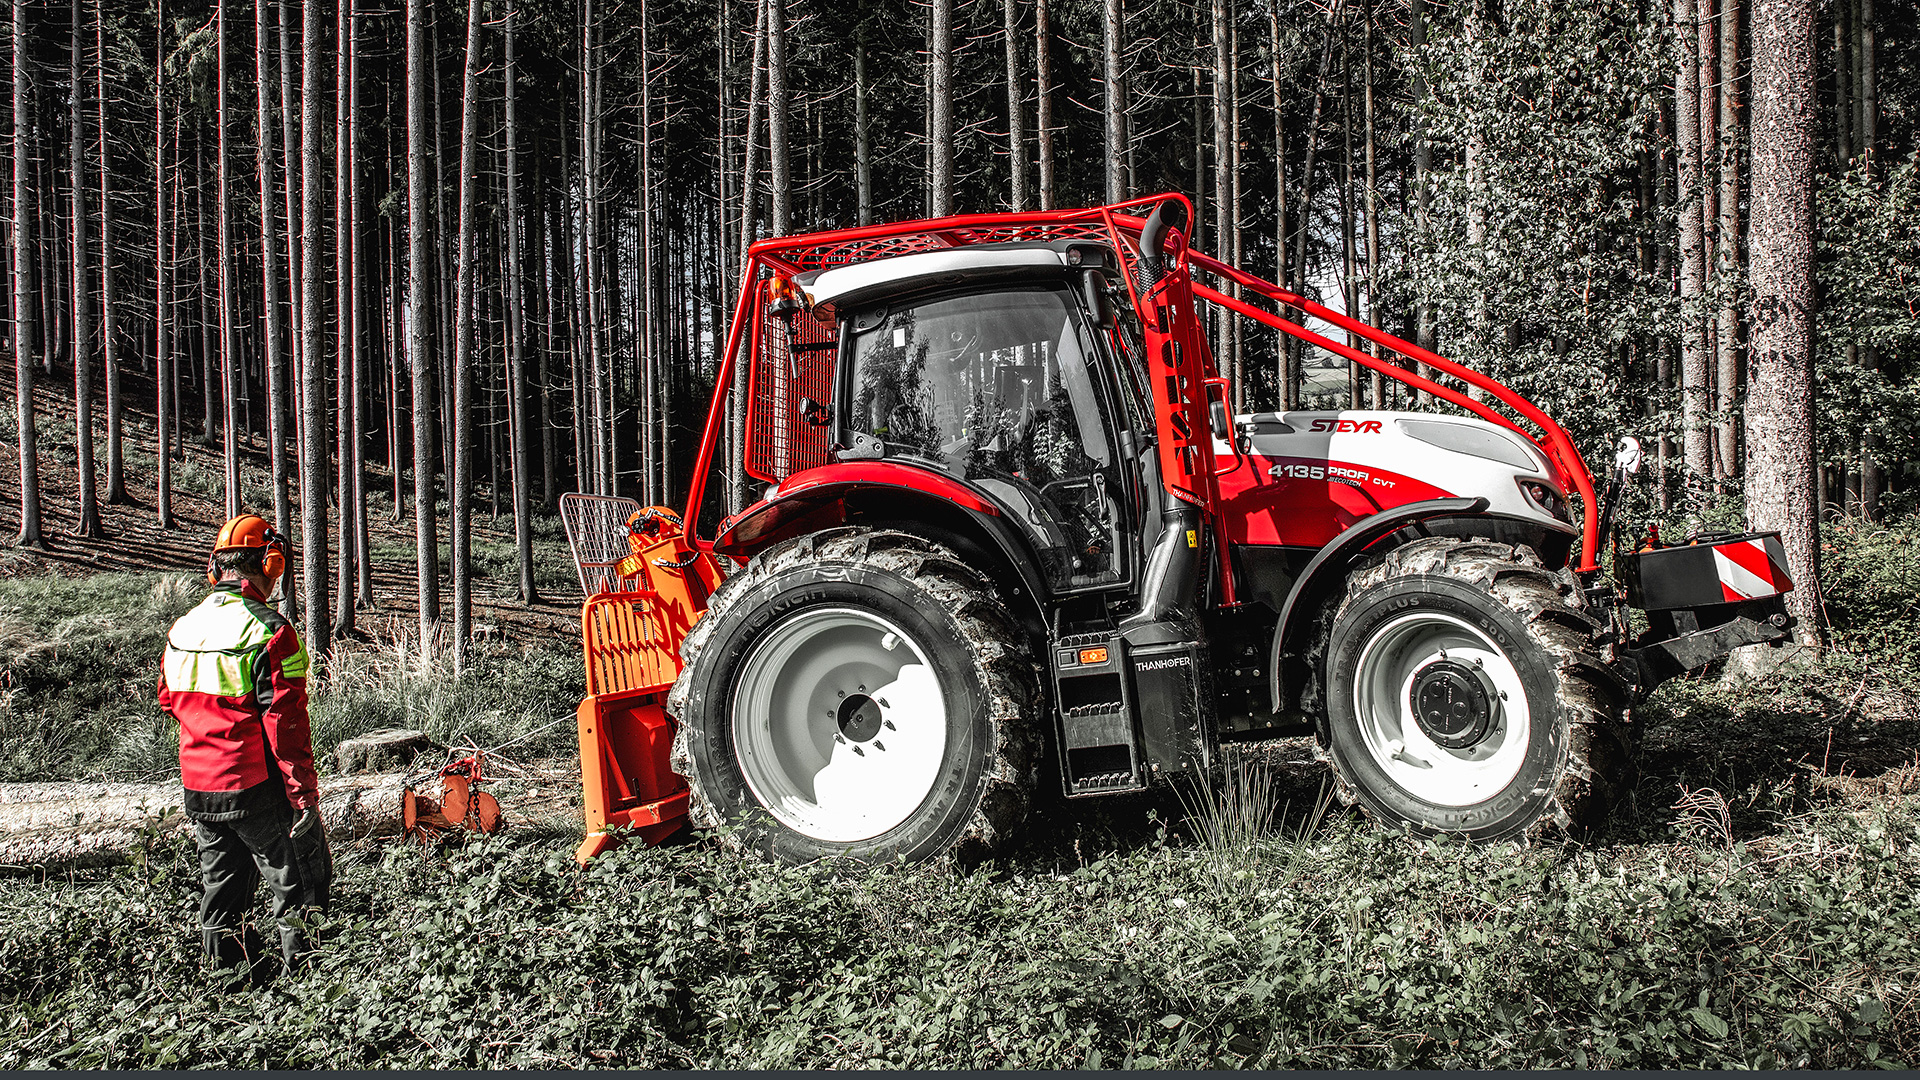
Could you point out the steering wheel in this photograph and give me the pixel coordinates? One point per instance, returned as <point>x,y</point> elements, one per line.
<point>1095,520</point>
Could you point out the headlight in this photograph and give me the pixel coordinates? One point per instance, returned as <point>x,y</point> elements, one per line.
<point>1546,500</point>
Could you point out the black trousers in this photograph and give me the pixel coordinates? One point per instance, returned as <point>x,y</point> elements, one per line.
<point>235,856</point>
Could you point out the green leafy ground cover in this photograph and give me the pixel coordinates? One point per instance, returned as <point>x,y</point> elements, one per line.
<point>1755,905</point>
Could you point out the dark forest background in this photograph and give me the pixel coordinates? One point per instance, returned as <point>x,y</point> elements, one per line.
<point>503,241</point>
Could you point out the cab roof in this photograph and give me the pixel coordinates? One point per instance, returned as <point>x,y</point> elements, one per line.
<point>879,277</point>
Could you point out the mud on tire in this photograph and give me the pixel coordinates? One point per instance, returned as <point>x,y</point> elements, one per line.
<point>1465,692</point>
<point>799,765</point>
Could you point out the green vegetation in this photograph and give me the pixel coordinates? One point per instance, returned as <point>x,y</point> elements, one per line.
<point>1381,951</point>
<point>80,664</point>
<point>1754,906</point>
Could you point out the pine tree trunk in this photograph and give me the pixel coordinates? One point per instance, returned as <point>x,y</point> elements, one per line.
<point>223,262</point>
<point>779,164</point>
<point>516,331</point>
<point>1289,394</point>
<point>109,308</point>
<point>460,485</point>
<point>276,327</point>
<point>313,375</point>
<point>862,136</point>
<point>749,202</point>
<point>939,109</point>
<point>1426,327</point>
<point>290,196</point>
<point>1372,210</point>
<point>1223,209</point>
<point>1111,100</point>
<point>1780,433</point>
<point>163,377</point>
<point>419,333</point>
<point>1695,360</point>
<point>23,299</point>
<point>346,244</point>
<point>1043,100</point>
<point>1016,110</point>
<point>1727,264</point>
<point>89,524</point>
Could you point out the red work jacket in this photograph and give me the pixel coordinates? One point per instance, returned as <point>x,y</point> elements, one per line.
<point>235,677</point>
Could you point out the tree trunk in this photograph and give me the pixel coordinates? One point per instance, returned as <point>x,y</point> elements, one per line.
<point>23,321</point>
<point>1223,209</point>
<point>163,384</point>
<point>1426,327</point>
<point>1016,110</point>
<point>1043,99</point>
<point>276,327</point>
<point>89,524</point>
<point>939,109</point>
<point>1288,390</point>
<point>749,203</point>
<point>1780,429</point>
<point>1370,208</point>
<point>1111,99</point>
<point>779,165</point>
<point>862,136</point>
<point>1727,264</point>
<point>346,245</point>
<point>290,196</point>
<point>109,308</point>
<point>419,359</point>
<point>460,485</point>
<point>223,262</point>
<point>1843,119</point>
<point>516,333</point>
<point>313,375</point>
<point>1695,359</point>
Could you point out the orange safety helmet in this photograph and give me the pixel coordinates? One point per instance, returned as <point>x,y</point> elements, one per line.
<point>250,531</point>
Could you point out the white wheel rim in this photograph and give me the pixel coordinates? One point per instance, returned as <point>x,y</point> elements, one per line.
<point>1382,700</point>
<point>839,724</point>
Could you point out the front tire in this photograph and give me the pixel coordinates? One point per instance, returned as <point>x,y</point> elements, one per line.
<point>857,692</point>
<point>1464,694</point>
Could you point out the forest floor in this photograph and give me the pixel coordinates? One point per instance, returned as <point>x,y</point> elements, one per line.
<point>1753,904</point>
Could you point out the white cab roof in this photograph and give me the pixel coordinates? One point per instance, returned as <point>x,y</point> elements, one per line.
<point>881,275</point>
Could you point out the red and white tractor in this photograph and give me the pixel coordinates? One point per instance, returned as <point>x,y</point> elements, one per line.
<point>1004,533</point>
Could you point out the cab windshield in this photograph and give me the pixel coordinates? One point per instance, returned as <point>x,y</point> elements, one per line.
<point>997,388</point>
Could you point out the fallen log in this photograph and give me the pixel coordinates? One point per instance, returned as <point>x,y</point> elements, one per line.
<point>60,826</point>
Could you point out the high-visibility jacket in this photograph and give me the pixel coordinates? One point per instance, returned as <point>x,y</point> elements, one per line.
<point>235,677</point>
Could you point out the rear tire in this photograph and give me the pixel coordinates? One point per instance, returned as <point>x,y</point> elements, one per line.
<point>1465,693</point>
<point>857,692</point>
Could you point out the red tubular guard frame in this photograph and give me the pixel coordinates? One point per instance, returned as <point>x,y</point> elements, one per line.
<point>796,254</point>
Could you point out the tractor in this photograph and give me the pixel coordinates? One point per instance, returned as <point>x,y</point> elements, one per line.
<point>988,533</point>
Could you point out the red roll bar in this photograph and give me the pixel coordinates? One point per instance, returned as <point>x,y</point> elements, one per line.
<point>796,254</point>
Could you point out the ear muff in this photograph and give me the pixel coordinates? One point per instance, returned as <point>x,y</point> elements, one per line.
<point>274,562</point>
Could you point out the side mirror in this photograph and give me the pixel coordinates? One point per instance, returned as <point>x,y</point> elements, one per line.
<point>1217,415</point>
<point>814,413</point>
<point>1093,290</point>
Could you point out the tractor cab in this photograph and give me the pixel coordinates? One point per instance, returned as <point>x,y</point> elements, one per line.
<point>993,367</point>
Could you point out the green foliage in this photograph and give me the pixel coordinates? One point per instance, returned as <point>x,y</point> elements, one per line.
<point>1384,952</point>
<point>1533,255</point>
<point>1871,574</point>
<point>1868,362</point>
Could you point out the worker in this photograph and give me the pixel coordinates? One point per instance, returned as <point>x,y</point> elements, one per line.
<point>235,678</point>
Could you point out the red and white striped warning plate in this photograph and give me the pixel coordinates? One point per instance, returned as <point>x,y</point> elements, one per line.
<point>1747,573</point>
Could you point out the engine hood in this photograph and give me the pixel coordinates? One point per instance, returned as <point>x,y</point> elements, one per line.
<point>1303,477</point>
